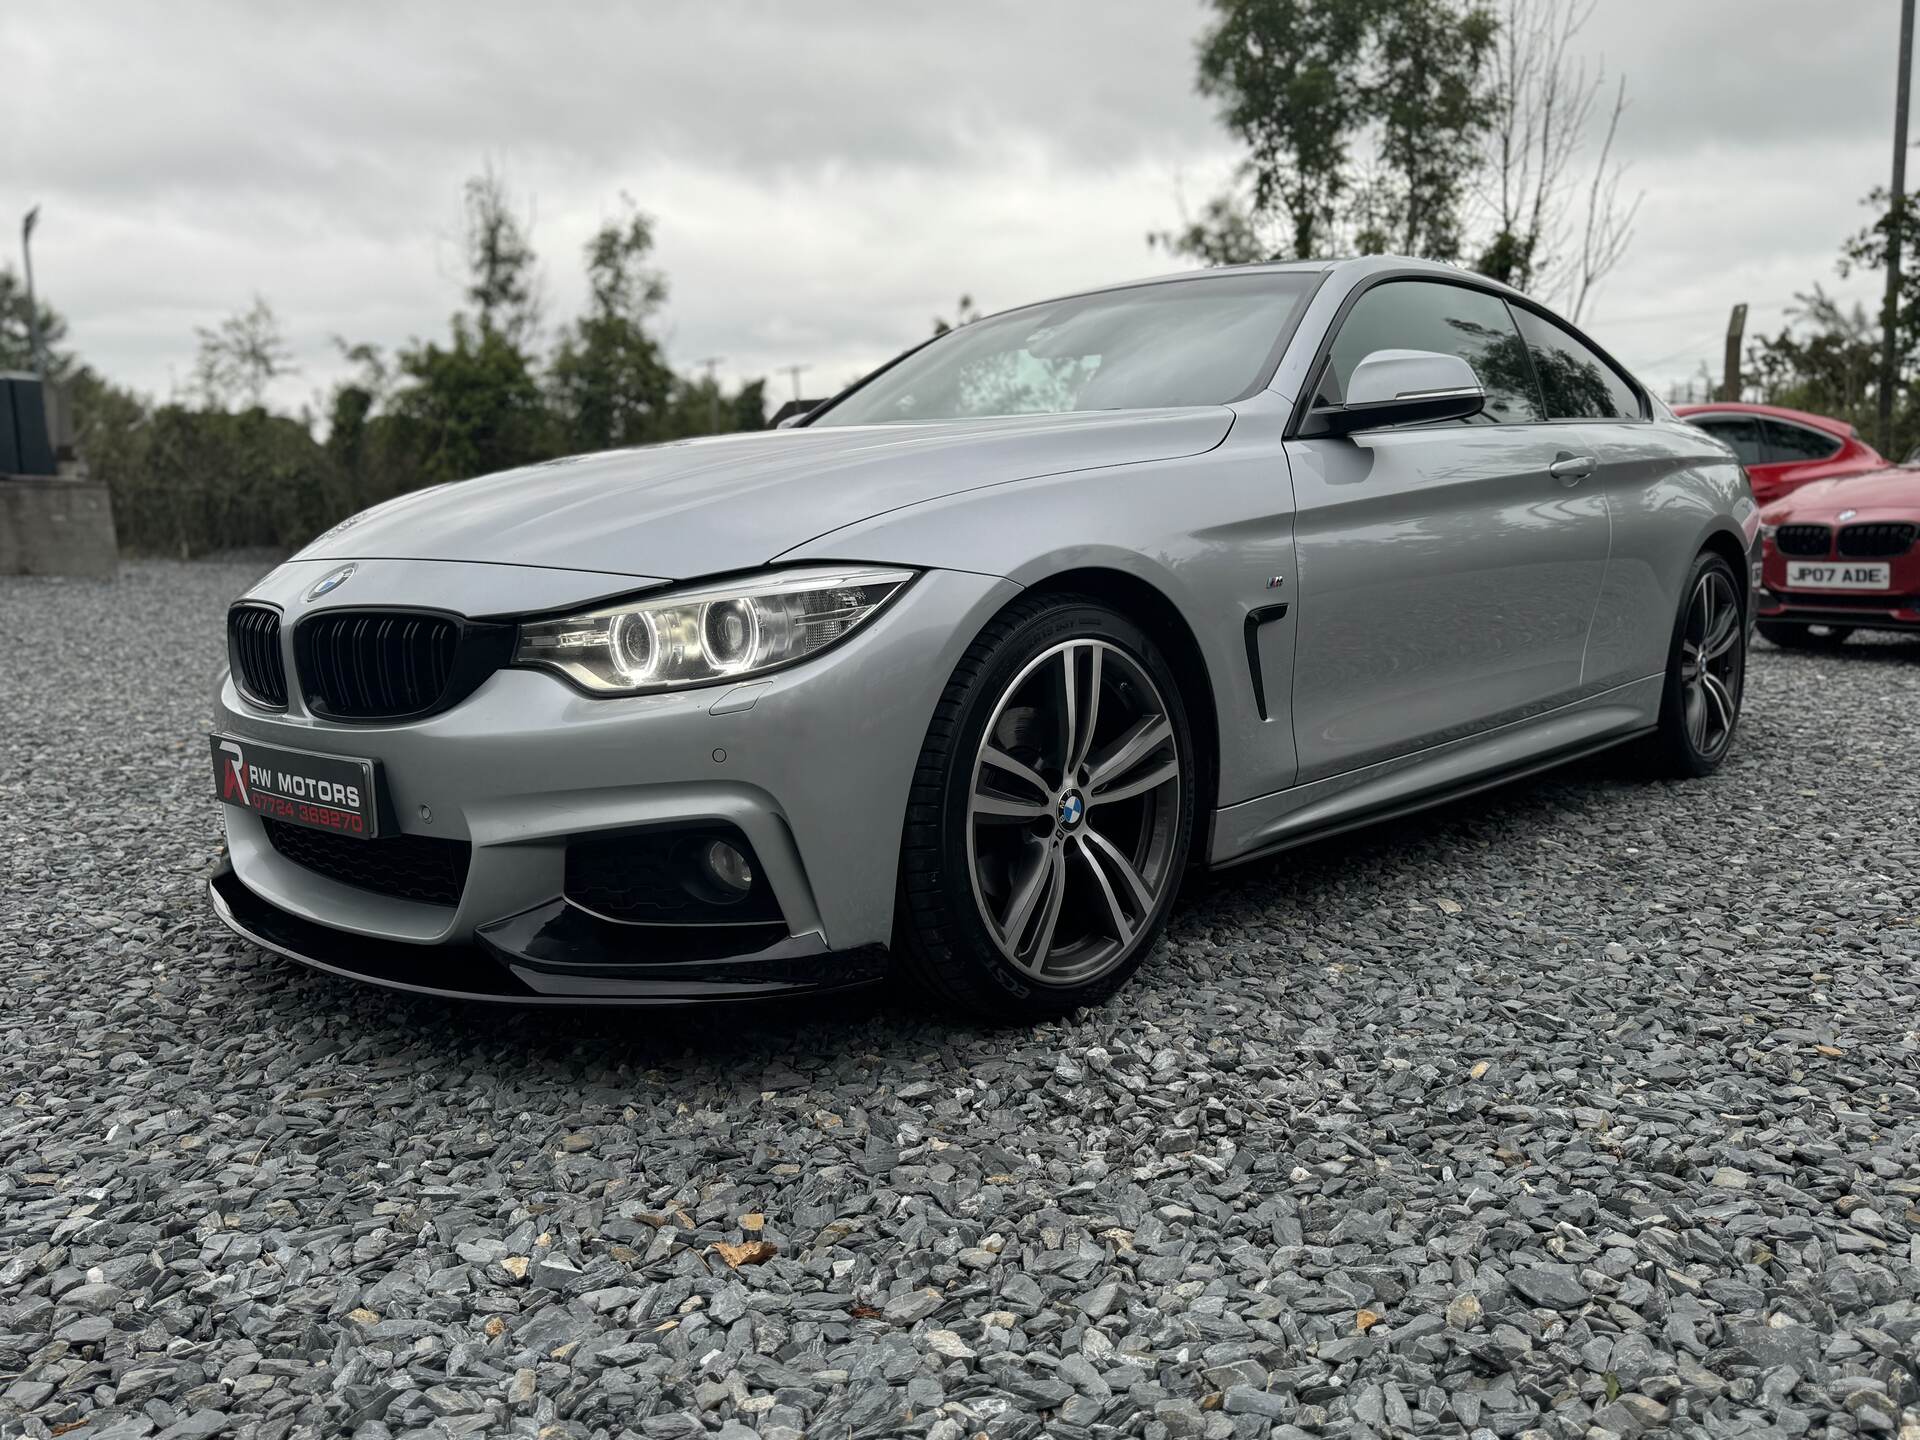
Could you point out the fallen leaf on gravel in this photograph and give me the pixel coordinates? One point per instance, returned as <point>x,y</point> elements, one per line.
<point>754,1252</point>
<point>516,1266</point>
<point>753,1220</point>
<point>1829,1049</point>
<point>1365,1320</point>
<point>495,1327</point>
<point>864,1312</point>
<point>1480,1067</point>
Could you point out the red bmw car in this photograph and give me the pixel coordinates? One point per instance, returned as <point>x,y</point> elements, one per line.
<point>1784,449</point>
<point>1841,555</point>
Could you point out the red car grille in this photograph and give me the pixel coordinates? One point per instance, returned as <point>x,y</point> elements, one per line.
<point>1877,541</point>
<point>1803,539</point>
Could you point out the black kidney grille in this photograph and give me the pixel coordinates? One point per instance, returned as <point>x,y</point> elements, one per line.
<point>365,665</point>
<point>1877,541</point>
<point>1803,539</point>
<point>424,868</point>
<point>253,649</point>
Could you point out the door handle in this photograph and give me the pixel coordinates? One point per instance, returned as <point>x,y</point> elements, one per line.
<point>1571,469</point>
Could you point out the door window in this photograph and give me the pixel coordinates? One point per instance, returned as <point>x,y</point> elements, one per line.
<point>1742,432</point>
<point>1786,444</point>
<point>1448,319</point>
<point>1578,383</point>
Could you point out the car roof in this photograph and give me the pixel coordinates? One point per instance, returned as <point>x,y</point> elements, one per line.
<point>1779,412</point>
<point>1352,264</point>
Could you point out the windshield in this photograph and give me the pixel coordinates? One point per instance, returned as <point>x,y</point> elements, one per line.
<point>1188,342</point>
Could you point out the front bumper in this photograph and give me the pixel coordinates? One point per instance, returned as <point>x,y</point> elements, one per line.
<point>552,955</point>
<point>1865,611</point>
<point>812,765</point>
<point>1895,608</point>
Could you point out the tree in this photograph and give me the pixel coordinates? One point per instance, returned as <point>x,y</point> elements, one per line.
<point>963,314</point>
<point>703,407</point>
<point>350,411</point>
<point>1438,128</point>
<point>1286,75</point>
<point>1430,99</point>
<point>241,357</point>
<point>609,378</point>
<point>472,405</point>
<point>1867,251</point>
<point>1825,359</point>
<point>1607,227</point>
<point>502,284</point>
<point>16,335</point>
<point>1226,233</point>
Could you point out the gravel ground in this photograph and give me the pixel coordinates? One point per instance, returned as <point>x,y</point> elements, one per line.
<point>1588,1107</point>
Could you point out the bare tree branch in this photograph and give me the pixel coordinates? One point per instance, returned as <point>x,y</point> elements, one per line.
<point>1608,228</point>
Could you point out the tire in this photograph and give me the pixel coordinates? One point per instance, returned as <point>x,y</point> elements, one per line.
<point>1802,637</point>
<point>1700,706</point>
<point>1031,883</point>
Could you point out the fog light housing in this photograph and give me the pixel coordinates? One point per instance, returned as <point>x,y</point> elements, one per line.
<point>728,869</point>
<point>692,874</point>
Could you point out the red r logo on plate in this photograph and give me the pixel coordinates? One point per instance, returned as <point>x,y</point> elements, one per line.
<point>235,780</point>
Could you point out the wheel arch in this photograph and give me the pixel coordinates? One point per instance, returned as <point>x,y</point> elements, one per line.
<point>1730,547</point>
<point>1150,608</point>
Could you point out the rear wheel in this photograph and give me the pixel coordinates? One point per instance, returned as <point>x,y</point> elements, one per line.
<point>1706,672</point>
<point>1051,814</point>
<point>1805,637</point>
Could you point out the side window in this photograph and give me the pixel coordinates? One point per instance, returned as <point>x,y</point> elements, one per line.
<point>1449,319</point>
<point>1578,384</point>
<point>1795,444</point>
<point>1742,433</point>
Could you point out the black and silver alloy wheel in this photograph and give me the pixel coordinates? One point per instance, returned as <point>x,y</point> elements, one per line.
<point>1074,808</point>
<point>1706,672</point>
<point>1711,659</point>
<point>1050,815</point>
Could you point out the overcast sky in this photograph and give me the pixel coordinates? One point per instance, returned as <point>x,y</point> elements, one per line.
<point>826,177</point>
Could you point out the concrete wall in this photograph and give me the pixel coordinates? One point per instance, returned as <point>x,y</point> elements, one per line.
<point>56,527</point>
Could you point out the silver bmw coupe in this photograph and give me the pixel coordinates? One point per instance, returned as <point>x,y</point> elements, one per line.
<point>965,669</point>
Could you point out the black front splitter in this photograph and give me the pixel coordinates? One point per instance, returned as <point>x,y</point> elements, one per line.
<point>551,955</point>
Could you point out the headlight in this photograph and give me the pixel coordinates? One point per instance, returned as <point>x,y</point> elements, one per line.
<point>698,637</point>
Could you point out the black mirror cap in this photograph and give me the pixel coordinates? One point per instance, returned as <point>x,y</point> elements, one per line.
<point>1405,410</point>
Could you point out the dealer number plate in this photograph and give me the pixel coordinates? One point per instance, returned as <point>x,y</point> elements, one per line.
<point>323,792</point>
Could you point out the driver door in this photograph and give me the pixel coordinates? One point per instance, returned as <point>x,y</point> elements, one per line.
<point>1447,574</point>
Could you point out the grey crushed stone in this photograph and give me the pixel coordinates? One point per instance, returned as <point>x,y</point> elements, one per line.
<point>1585,1108</point>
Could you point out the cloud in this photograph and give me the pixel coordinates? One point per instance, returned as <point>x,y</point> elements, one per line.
<point>826,178</point>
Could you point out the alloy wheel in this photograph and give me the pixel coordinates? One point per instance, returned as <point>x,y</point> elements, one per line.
<point>1711,658</point>
<point>1073,812</point>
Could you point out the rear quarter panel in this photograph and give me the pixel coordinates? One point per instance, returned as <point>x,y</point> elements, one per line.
<point>1671,488</point>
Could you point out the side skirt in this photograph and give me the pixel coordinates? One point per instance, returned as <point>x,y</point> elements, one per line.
<point>1265,826</point>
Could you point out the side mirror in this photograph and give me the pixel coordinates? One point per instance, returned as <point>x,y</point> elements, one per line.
<point>1395,387</point>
